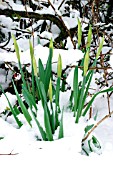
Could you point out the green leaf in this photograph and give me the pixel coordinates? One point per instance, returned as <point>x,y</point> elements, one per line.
<point>95,117</point>
<point>41,71</point>
<point>34,68</point>
<point>29,98</point>
<point>94,96</point>
<point>38,40</point>
<point>71,100</point>
<point>100,48</point>
<point>12,110</point>
<point>42,132</point>
<point>31,50</point>
<point>22,106</point>
<point>87,128</point>
<point>80,106</point>
<point>52,119</point>
<point>63,85</point>
<point>48,67</point>
<point>44,97</point>
<point>59,66</point>
<point>1,138</point>
<point>57,92</point>
<point>86,62</point>
<point>47,117</point>
<point>90,147</point>
<point>79,33</point>
<point>47,124</point>
<point>16,15</point>
<point>85,151</point>
<point>18,57</point>
<point>16,47</point>
<point>50,91</point>
<point>16,110</point>
<point>61,130</point>
<point>89,37</point>
<point>33,60</point>
<point>51,44</point>
<point>42,89</point>
<point>87,85</point>
<point>31,102</point>
<point>38,88</point>
<point>75,89</point>
<point>96,142</point>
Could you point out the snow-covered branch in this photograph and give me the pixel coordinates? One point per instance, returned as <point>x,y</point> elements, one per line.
<point>37,16</point>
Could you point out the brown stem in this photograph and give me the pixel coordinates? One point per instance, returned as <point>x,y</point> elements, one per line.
<point>90,112</point>
<point>4,154</point>
<point>108,36</point>
<point>92,68</point>
<point>94,127</point>
<point>61,4</point>
<point>106,82</point>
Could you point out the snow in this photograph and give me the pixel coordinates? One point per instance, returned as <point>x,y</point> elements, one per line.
<point>3,102</point>
<point>60,154</point>
<point>69,44</point>
<point>64,153</point>
<point>70,22</point>
<point>7,22</point>
<point>31,153</point>
<point>47,35</point>
<point>43,52</point>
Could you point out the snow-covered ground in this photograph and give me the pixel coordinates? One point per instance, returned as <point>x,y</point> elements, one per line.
<point>30,153</point>
<point>20,148</point>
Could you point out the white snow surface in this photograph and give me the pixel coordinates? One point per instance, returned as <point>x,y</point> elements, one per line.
<point>32,154</point>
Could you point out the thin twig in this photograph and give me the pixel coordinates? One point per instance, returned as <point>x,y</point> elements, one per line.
<point>61,4</point>
<point>90,113</point>
<point>95,126</point>
<point>106,81</point>
<point>5,154</point>
<point>92,68</point>
<point>108,36</point>
<point>63,24</point>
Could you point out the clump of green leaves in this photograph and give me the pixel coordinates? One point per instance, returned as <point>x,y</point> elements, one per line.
<point>41,89</point>
<point>92,144</point>
<point>80,89</point>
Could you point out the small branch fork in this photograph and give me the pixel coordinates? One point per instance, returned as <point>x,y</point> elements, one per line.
<point>9,154</point>
<point>95,126</point>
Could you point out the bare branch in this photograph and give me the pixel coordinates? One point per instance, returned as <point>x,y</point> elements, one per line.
<point>94,127</point>
<point>67,30</point>
<point>57,21</point>
<point>5,154</point>
<point>12,13</point>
